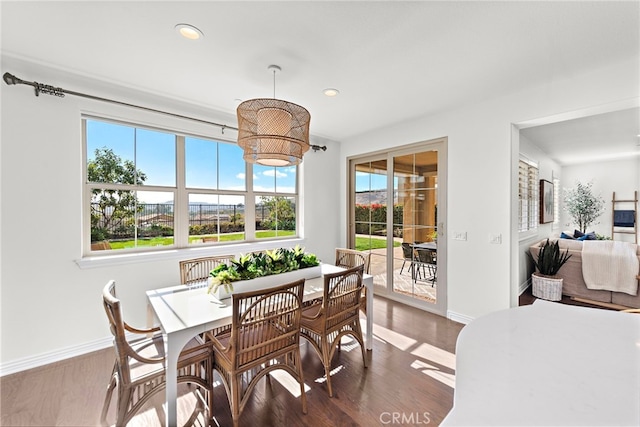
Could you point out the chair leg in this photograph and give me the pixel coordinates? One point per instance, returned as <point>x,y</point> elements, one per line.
<point>107,399</point>
<point>124,396</point>
<point>362,349</point>
<point>403,263</point>
<point>210,394</point>
<point>234,399</point>
<point>415,271</point>
<point>303,396</point>
<point>326,361</point>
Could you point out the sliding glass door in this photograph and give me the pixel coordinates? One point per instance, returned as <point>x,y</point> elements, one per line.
<point>397,211</point>
<point>369,210</point>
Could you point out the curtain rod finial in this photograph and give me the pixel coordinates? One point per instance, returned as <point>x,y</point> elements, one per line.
<point>10,79</point>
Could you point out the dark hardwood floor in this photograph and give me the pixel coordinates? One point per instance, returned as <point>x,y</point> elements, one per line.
<point>410,376</point>
<point>527,298</point>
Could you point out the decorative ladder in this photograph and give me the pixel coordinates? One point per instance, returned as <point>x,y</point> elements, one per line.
<point>635,216</point>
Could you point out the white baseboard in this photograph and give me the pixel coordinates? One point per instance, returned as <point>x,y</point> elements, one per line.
<point>460,318</point>
<point>54,356</point>
<point>523,286</point>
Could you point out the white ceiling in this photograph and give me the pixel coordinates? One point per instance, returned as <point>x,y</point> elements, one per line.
<point>600,137</point>
<point>392,61</point>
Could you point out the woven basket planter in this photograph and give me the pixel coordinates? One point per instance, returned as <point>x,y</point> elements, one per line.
<point>545,287</point>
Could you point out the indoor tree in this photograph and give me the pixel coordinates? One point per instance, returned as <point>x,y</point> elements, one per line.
<point>583,206</point>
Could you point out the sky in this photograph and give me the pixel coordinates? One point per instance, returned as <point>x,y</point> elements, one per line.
<point>366,181</point>
<point>210,164</point>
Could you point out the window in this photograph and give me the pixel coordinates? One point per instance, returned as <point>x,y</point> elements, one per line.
<point>149,189</point>
<point>275,203</point>
<point>528,201</point>
<point>556,203</point>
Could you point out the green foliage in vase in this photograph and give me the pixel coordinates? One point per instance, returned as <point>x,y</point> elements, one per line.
<point>222,275</point>
<point>260,264</point>
<point>309,260</point>
<point>245,267</point>
<point>550,258</point>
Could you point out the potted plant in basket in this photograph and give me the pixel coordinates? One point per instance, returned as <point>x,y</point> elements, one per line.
<point>545,283</point>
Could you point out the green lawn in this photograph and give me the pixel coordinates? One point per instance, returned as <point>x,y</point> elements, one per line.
<point>228,237</point>
<point>366,243</point>
<point>362,243</point>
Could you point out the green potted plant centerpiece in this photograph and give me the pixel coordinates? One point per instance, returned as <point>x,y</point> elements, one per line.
<point>545,283</point>
<point>257,269</point>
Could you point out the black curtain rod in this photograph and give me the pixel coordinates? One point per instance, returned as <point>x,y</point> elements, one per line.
<point>39,88</point>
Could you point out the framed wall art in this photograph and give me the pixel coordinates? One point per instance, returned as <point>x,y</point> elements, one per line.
<point>546,201</point>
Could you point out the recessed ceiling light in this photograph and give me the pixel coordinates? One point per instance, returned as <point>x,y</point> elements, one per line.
<point>189,31</point>
<point>331,92</point>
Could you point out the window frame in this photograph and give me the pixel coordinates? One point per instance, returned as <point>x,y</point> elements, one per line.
<point>556,203</point>
<point>180,196</point>
<point>528,222</point>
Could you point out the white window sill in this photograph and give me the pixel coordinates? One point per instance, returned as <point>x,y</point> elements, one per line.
<point>116,259</point>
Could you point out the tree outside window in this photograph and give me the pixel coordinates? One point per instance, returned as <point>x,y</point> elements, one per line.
<point>112,210</point>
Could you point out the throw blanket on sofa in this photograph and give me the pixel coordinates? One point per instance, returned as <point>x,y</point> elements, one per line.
<point>610,265</point>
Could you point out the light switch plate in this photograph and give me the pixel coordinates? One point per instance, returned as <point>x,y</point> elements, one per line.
<point>459,235</point>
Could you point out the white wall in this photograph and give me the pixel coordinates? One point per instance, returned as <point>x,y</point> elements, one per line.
<point>49,306</point>
<point>621,176</point>
<point>483,277</point>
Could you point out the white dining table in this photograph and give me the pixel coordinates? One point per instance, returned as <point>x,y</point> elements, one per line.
<point>184,312</point>
<point>548,364</point>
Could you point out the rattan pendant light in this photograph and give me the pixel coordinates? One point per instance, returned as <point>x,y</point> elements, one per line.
<point>273,132</point>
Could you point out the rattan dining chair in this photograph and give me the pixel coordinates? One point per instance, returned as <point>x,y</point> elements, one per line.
<point>139,371</point>
<point>197,269</point>
<point>349,258</point>
<point>264,336</point>
<point>324,324</point>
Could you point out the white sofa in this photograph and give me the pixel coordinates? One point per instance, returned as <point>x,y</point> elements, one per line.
<point>573,284</point>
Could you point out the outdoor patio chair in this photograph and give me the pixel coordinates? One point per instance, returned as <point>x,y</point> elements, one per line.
<point>139,371</point>
<point>408,254</point>
<point>325,323</point>
<point>101,246</point>
<point>427,259</point>
<point>264,336</point>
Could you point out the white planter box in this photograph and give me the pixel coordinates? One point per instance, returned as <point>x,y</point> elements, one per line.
<point>268,281</point>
